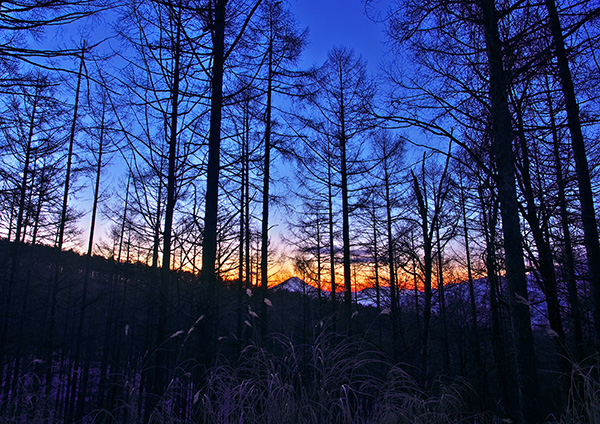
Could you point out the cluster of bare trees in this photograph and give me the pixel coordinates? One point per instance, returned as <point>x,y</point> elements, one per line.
<point>475,163</point>
<point>503,193</point>
<point>160,96</point>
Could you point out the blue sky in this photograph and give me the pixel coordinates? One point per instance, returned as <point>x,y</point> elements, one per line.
<point>339,23</point>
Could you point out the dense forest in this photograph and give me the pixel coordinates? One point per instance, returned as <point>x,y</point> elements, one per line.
<point>167,166</point>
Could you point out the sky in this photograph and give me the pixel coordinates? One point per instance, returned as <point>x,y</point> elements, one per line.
<point>339,23</point>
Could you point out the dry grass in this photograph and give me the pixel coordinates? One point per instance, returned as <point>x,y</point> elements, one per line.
<point>332,380</point>
<point>403,401</point>
<point>328,381</point>
<point>584,396</point>
<point>29,403</point>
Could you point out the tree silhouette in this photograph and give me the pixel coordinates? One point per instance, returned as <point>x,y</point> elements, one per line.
<point>342,97</point>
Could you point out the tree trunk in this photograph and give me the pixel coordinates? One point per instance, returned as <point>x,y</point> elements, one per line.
<point>395,309</point>
<point>209,242</point>
<point>545,257</point>
<point>586,197</point>
<point>428,269</point>
<point>264,258</point>
<point>61,228</point>
<point>159,382</point>
<point>569,267</point>
<point>442,296</point>
<point>346,233</point>
<point>416,285</point>
<point>502,136</point>
<point>331,243</point>
<point>376,264</point>
<point>505,367</point>
<point>156,241</point>
<point>25,177</point>
<point>77,409</point>
<point>63,217</point>
<point>248,234</point>
<point>242,229</point>
<point>319,261</point>
<point>476,344</point>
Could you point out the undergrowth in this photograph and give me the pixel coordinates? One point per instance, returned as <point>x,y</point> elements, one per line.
<point>584,396</point>
<point>333,379</point>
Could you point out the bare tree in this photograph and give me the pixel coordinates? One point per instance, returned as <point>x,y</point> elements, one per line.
<point>342,97</point>
<point>429,216</point>
<point>586,199</point>
<point>216,16</point>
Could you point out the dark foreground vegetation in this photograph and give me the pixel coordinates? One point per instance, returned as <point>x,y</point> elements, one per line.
<point>222,363</point>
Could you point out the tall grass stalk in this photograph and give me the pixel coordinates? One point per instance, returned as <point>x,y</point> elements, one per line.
<point>584,396</point>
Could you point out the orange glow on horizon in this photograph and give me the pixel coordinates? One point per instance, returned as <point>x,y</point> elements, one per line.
<point>365,278</point>
<point>362,274</point>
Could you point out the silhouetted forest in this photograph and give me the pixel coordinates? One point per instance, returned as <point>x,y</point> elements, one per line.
<point>167,166</point>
